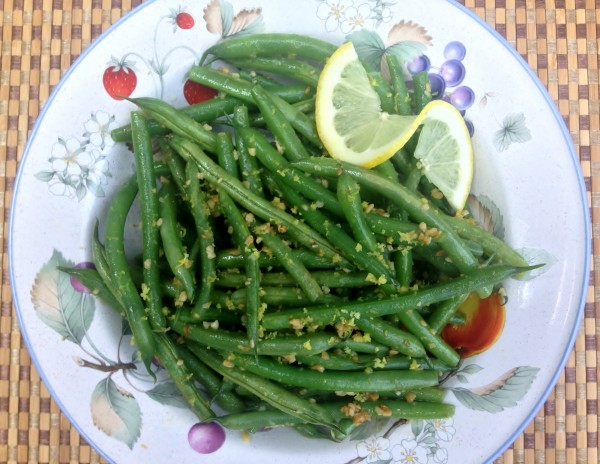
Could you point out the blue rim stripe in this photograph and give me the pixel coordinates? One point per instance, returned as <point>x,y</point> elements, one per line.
<point>586,214</point>
<point>501,40</point>
<point>34,131</point>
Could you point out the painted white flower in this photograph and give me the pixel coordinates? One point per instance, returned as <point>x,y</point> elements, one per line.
<point>409,451</point>
<point>60,187</point>
<point>440,456</point>
<point>67,157</point>
<point>355,18</point>
<point>332,12</point>
<point>98,129</point>
<point>97,171</point>
<point>374,449</point>
<point>444,429</point>
<point>386,15</point>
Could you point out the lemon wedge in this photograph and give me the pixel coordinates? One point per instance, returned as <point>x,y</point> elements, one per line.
<point>354,129</point>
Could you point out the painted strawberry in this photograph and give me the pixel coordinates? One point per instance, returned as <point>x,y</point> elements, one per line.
<point>197,93</point>
<point>119,79</point>
<point>181,18</point>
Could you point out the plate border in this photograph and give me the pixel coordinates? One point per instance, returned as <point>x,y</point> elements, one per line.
<point>499,38</point>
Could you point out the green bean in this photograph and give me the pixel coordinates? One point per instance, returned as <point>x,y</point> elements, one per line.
<point>228,259</point>
<point>304,106</point>
<point>442,315</point>
<point>201,112</point>
<point>266,390</point>
<point>335,380</point>
<point>274,161</point>
<point>271,45</point>
<point>400,94</point>
<point>284,133</point>
<point>432,342</point>
<point>280,345</point>
<point>177,257</point>
<point>436,259</point>
<point>382,87</point>
<point>296,70</point>
<point>249,169</point>
<point>283,296</point>
<point>403,265</point>
<point>303,278</point>
<point>348,194</point>
<point>103,268</point>
<point>206,241</point>
<point>179,372</point>
<point>177,121</point>
<point>421,91</point>
<point>242,238</point>
<point>243,90</point>
<point>492,245</point>
<point>419,208</point>
<point>369,347</point>
<point>252,202</point>
<point>144,160</point>
<point>212,383</point>
<point>435,293</point>
<point>175,164</point>
<point>259,79</point>
<point>397,339</point>
<point>329,279</point>
<point>125,288</point>
<point>349,248</point>
<point>255,421</point>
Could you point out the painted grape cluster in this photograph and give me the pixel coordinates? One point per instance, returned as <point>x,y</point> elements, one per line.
<point>446,81</point>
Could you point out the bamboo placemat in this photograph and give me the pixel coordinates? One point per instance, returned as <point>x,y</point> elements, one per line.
<point>40,39</point>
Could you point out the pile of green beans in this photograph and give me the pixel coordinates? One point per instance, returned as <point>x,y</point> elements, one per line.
<point>277,286</point>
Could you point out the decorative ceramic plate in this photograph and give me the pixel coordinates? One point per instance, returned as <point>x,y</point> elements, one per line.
<point>528,190</point>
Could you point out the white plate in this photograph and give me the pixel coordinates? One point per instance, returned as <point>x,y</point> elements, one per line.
<point>527,182</point>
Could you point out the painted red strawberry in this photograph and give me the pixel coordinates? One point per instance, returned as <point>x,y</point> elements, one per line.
<point>181,18</point>
<point>119,79</point>
<point>197,93</point>
<point>184,20</point>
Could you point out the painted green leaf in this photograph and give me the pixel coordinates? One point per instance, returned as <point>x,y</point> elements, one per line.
<point>167,393</point>
<point>513,130</point>
<point>226,16</point>
<point>504,392</point>
<point>116,412</point>
<point>471,369</point>
<point>536,256</point>
<point>407,50</point>
<point>45,176</point>
<point>461,378</point>
<point>369,47</point>
<point>58,304</point>
<point>416,427</point>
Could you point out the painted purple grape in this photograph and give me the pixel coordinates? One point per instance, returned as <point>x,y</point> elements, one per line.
<point>453,72</point>
<point>462,97</point>
<point>438,86</point>
<point>206,438</point>
<point>470,127</point>
<point>419,64</point>
<point>77,285</point>
<point>455,51</point>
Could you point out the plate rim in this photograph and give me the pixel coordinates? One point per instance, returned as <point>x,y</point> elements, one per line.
<point>551,104</point>
<point>587,225</point>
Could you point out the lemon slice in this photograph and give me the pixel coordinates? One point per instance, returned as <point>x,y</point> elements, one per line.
<point>353,128</point>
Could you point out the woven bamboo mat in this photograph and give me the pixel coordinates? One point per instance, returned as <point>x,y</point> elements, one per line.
<point>40,39</point>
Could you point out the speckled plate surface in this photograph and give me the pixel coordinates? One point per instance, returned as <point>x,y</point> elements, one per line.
<point>527,186</point>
